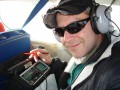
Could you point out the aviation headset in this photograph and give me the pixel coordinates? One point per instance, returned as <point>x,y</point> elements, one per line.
<point>99,18</point>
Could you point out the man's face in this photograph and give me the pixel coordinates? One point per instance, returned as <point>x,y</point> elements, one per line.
<point>80,43</point>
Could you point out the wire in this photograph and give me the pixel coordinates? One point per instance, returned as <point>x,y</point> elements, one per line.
<point>4,23</point>
<point>73,80</point>
<point>45,80</point>
<point>105,12</point>
<point>46,84</point>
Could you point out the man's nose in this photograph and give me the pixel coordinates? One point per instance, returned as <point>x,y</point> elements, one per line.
<point>68,36</point>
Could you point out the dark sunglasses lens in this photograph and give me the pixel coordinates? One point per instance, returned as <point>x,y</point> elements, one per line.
<point>72,28</point>
<point>59,32</point>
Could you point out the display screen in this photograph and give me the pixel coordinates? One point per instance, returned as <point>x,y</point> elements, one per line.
<point>34,73</point>
<point>41,67</point>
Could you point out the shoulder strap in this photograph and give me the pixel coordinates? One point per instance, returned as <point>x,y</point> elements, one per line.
<point>36,9</point>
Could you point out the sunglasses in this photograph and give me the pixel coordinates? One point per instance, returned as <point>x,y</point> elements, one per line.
<point>72,28</point>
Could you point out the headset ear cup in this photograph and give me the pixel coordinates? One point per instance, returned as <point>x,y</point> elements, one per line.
<point>99,21</point>
<point>103,23</point>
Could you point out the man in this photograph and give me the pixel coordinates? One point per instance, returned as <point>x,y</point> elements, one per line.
<point>95,63</point>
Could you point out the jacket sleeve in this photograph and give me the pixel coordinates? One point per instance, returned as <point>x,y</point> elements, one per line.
<point>57,67</point>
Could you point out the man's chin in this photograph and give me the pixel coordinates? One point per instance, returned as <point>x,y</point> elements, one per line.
<point>77,55</point>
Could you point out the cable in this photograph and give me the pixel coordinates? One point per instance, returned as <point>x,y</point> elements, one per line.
<point>73,80</point>
<point>4,23</point>
<point>105,12</point>
<point>46,84</point>
<point>45,80</point>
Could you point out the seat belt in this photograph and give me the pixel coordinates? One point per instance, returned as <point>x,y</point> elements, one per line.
<point>36,9</point>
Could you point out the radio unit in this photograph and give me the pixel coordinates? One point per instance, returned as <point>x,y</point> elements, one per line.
<point>36,73</point>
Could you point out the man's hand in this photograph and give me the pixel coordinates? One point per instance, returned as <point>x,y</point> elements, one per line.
<point>40,53</point>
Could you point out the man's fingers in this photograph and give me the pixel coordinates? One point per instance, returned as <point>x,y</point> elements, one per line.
<point>36,59</point>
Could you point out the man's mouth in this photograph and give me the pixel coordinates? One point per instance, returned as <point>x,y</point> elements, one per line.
<point>73,45</point>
